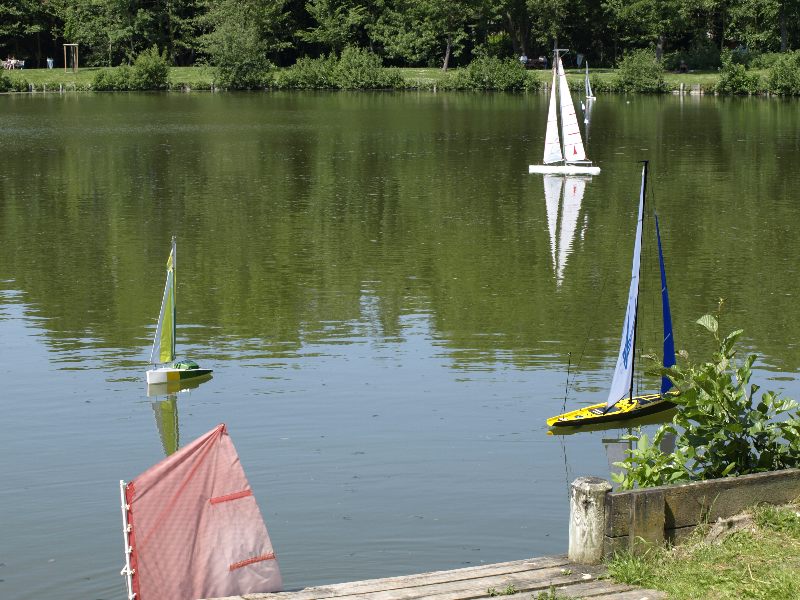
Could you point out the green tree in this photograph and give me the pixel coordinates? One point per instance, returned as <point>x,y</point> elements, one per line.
<point>337,23</point>
<point>646,23</point>
<point>242,35</point>
<point>421,30</point>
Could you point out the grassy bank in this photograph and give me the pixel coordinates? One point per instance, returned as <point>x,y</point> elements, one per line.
<point>759,561</point>
<point>199,78</point>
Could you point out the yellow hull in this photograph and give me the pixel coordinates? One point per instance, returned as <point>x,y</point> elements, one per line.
<point>625,409</point>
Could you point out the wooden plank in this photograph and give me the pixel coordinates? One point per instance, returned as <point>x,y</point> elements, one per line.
<point>376,585</point>
<point>589,589</point>
<point>459,584</point>
<point>538,580</point>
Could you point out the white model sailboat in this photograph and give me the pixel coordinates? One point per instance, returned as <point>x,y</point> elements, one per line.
<point>588,85</point>
<point>564,155</point>
<point>622,404</point>
<point>163,352</point>
<point>562,216</point>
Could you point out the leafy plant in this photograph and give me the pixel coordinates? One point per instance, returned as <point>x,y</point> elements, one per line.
<point>509,590</point>
<point>784,77</point>
<point>648,466</point>
<point>150,71</point>
<point>639,71</point>
<point>359,69</point>
<point>734,78</point>
<point>5,83</point>
<point>721,428</point>
<point>490,73</point>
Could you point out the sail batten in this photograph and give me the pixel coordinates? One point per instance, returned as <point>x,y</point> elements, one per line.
<point>623,372</point>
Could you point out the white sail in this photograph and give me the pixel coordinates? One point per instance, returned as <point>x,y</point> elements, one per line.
<point>573,145</point>
<point>623,373</point>
<point>574,188</point>
<point>552,198</point>
<point>552,144</point>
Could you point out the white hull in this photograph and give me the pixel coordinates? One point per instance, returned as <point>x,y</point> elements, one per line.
<point>169,374</point>
<point>564,169</point>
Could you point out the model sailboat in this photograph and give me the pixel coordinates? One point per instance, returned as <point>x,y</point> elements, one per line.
<point>622,404</point>
<point>163,352</point>
<point>588,85</point>
<point>564,155</point>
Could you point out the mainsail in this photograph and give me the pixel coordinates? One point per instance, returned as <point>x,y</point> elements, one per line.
<point>623,373</point>
<point>573,145</point>
<point>552,143</point>
<point>164,341</point>
<point>193,528</point>
<point>669,342</point>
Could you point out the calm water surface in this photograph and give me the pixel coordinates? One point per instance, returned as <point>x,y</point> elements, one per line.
<point>389,304</point>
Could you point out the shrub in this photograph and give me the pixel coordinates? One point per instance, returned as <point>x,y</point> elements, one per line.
<point>113,79</point>
<point>150,71</point>
<point>784,77</point>
<point>489,73</point>
<point>308,74</point>
<point>765,60</point>
<point>5,83</point>
<point>639,71</point>
<point>734,78</point>
<point>355,69</point>
<point>721,429</point>
<point>360,69</point>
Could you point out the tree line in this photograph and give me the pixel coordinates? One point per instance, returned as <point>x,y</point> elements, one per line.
<point>404,33</point>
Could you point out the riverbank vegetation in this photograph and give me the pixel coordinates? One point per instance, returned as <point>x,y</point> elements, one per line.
<point>721,428</point>
<point>759,560</point>
<point>262,44</point>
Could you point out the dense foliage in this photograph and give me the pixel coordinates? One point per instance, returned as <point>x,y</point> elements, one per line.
<point>734,77</point>
<point>784,78</point>
<point>721,429</point>
<point>244,37</point>
<point>150,71</point>
<point>639,71</point>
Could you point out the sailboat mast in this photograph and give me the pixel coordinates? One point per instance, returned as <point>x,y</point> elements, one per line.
<point>638,283</point>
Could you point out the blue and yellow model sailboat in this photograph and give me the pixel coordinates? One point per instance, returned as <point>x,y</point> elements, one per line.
<point>622,404</point>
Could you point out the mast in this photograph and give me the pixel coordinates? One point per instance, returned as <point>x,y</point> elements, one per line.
<point>638,282</point>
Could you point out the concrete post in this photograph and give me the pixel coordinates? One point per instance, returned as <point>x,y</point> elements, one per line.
<point>587,519</point>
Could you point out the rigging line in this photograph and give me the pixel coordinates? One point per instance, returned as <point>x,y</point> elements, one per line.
<point>566,386</point>
<point>590,332</point>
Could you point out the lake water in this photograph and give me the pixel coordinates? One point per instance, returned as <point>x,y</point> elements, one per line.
<point>388,302</point>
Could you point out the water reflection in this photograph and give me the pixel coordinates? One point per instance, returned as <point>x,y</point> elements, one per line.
<point>166,410</point>
<point>562,216</point>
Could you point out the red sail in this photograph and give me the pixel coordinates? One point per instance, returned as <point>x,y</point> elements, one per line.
<point>195,528</point>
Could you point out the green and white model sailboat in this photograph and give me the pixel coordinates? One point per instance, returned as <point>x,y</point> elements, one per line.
<point>162,356</point>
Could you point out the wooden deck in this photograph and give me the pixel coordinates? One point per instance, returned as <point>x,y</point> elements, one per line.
<point>517,579</point>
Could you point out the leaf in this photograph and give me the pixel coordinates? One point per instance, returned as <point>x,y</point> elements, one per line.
<point>709,322</point>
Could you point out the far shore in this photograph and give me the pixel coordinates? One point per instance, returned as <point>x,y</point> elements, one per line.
<point>202,78</point>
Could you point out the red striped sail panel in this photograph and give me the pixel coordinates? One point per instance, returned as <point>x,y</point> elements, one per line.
<point>195,528</point>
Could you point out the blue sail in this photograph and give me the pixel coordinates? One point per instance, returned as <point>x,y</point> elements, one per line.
<point>669,342</point>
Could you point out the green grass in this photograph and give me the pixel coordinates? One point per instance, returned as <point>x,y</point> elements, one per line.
<point>760,564</point>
